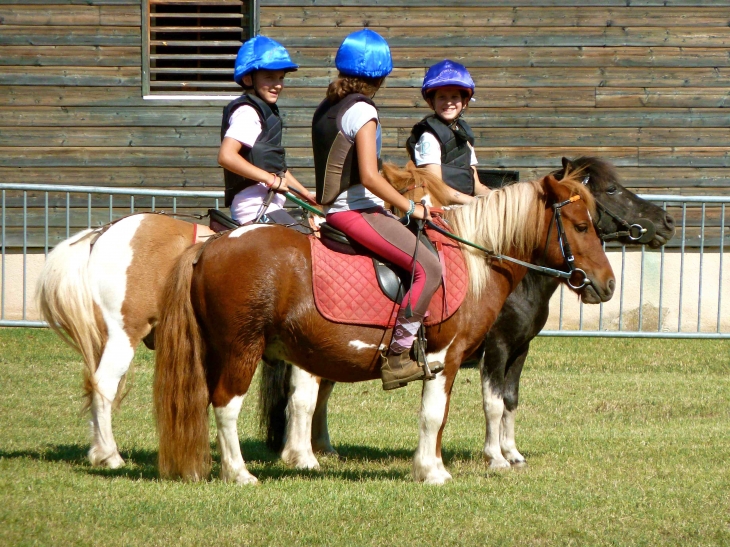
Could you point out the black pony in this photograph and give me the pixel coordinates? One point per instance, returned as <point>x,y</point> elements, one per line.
<point>622,216</point>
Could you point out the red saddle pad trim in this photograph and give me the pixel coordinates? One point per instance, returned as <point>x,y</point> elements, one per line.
<point>346,289</point>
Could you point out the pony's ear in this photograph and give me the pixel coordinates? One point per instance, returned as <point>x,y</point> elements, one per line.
<point>566,164</point>
<point>554,190</point>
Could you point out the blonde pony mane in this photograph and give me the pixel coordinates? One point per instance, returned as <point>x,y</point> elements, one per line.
<point>400,179</point>
<point>508,221</point>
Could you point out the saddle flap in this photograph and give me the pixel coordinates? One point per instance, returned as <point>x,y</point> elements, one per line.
<point>220,222</point>
<point>388,281</point>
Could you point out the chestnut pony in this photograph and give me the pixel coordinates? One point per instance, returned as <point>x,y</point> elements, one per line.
<point>247,296</point>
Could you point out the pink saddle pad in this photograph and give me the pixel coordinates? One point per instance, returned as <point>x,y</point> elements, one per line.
<point>346,289</point>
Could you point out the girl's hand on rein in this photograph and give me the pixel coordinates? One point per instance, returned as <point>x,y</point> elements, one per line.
<point>279,185</point>
<point>421,214</point>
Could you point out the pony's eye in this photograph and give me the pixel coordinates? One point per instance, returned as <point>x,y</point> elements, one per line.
<point>611,190</point>
<point>582,228</point>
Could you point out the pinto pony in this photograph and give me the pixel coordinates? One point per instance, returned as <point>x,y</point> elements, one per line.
<point>247,296</point>
<point>297,427</point>
<point>99,291</point>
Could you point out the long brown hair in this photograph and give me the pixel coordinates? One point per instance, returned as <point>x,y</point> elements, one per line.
<point>346,85</point>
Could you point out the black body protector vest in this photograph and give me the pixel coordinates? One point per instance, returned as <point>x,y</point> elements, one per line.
<point>456,169</point>
<point>266,153</point>
<point>335,156</point>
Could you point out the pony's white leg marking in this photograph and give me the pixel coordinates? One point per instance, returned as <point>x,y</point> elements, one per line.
<point>507,439</point>
<point>238,232</point>
<point>118,353</point>
<point>493,410</point>
<point>320,432</point>
<point>297,450</point>
<point>360,345</point>
<point>427,466</point>
<point>233,468</point>
<point>108,264</point>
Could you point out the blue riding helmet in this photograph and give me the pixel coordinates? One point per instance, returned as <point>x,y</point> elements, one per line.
<point>364,53</point>
<point>447,73</point>
<point>261,53</point>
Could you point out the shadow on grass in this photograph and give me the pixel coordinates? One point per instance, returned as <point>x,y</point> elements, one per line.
<point>141,464</point>
<point>68,453</point>
<point>138,463</point>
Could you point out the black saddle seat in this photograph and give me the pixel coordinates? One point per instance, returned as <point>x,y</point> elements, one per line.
<point>221,222</point>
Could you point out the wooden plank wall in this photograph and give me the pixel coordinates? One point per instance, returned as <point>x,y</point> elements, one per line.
<point>644,86</point>
<point>642,83</point>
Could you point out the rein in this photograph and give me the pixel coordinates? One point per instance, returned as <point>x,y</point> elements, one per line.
<point>543,270</point>
<point>410,187</point>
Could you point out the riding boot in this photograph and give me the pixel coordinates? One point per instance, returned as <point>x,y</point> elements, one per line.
<point>397,369</point>
<point>396,366</point>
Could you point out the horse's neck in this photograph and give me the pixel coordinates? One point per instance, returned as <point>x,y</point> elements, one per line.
<point>485,308</point>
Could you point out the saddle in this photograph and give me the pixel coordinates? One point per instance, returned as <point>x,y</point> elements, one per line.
<point>220,222</point>
<point>352,286</point>
<point>392,280</point>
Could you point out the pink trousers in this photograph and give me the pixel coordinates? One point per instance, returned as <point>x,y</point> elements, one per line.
<point>389,239</point>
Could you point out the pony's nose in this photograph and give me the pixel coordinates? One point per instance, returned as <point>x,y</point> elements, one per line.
<point>669,221</point>
<point>611,285</point>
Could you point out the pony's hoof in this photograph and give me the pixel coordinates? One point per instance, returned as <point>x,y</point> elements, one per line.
<point>438,478</point>
<point>300,461</point>
<point>515,458</point>
<point>241,477</point>
<point>110,461</point>
<point>499,463</point>
<point>435,475</point>
<point>248,478</point>
<point>326,450</point>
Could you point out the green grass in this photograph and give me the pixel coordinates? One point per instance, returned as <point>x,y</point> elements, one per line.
<point>628,443</point>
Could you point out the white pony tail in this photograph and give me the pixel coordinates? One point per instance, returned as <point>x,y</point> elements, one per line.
<point>63,294</point>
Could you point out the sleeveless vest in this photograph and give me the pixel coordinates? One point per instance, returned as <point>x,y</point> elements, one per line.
<point>266,153</point>
<point>456,170</point>
<point>335,156</point>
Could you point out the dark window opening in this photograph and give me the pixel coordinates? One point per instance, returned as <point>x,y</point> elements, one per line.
<point>193,44</point>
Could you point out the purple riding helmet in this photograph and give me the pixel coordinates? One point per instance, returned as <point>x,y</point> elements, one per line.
<point>447,73</point>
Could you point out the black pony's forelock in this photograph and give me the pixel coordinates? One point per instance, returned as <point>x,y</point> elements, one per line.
<point>601,172</point>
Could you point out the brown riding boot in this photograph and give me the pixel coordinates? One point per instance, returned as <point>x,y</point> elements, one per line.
<point>397,369</point>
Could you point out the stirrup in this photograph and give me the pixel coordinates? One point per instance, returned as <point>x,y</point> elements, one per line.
<point>419,355</point>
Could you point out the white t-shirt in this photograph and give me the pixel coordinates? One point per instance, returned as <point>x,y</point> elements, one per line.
<point>357,197</point>
<point>244,125</point>
<point>428,151</point>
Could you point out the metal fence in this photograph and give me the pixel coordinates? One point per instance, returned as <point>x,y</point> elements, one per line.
<point>678,291</point>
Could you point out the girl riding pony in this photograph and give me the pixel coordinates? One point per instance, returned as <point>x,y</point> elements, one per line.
<point>346,140</point>
<point>443,143</point>
<point>251,153</point>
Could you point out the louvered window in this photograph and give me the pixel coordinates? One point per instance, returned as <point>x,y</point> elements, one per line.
<point>192,45</point>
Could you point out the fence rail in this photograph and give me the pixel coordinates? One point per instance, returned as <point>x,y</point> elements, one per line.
<point>678,291</point>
